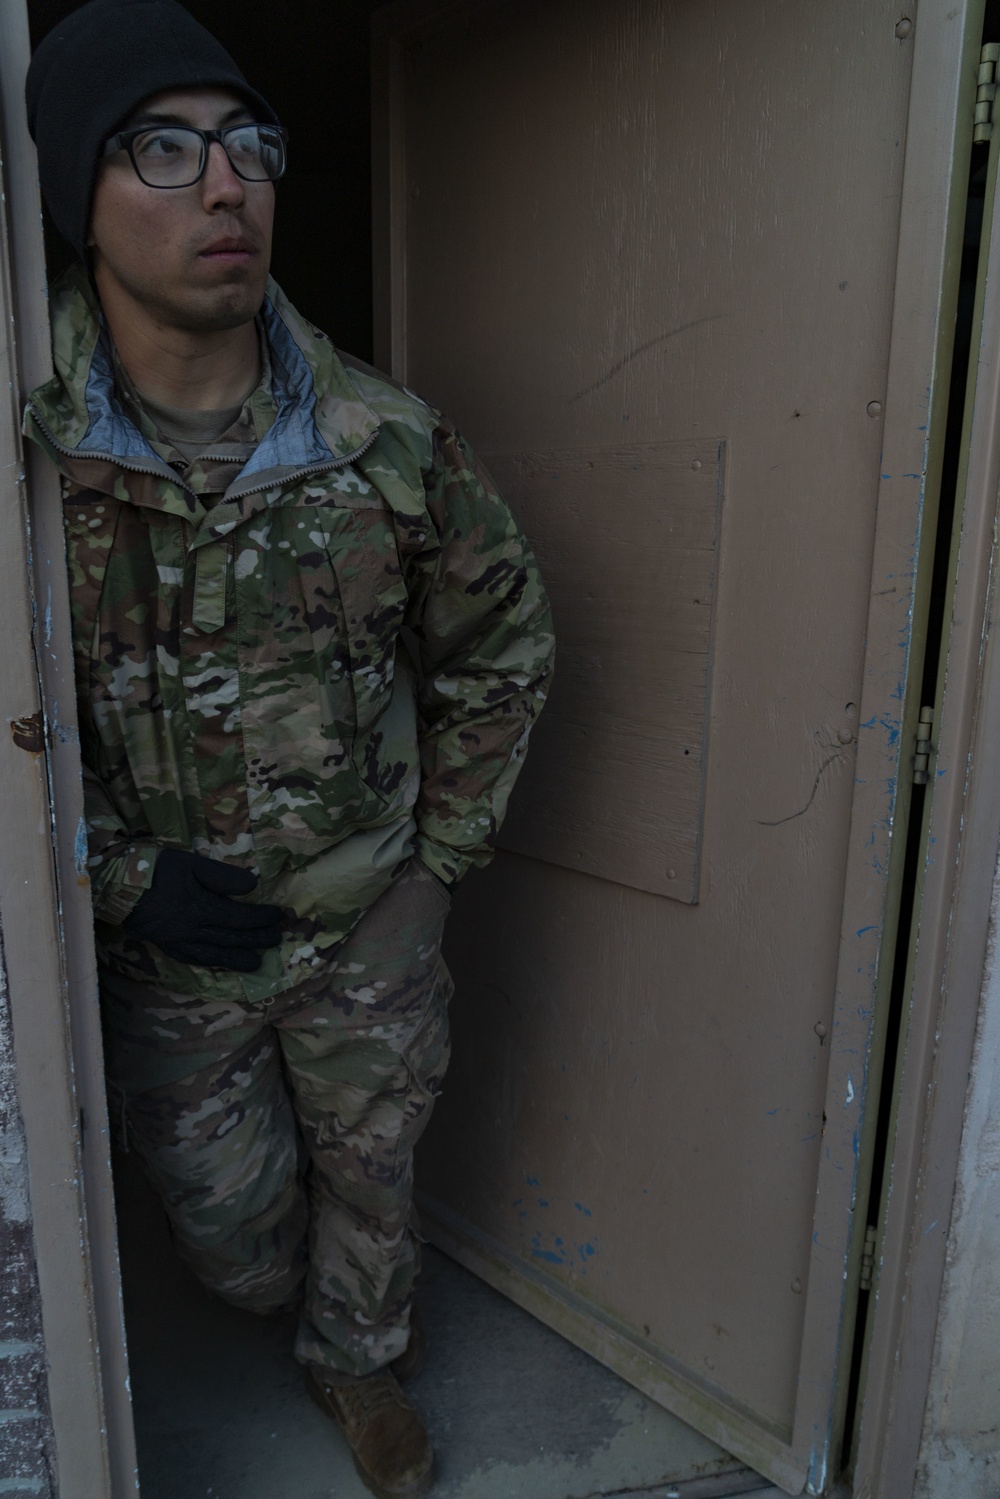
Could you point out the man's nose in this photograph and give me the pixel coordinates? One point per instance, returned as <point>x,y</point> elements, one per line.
<point>220,185</point>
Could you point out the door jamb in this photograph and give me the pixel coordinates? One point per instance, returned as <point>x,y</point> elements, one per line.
<point>391,26</point>
<point>48,926</point>
<point>952,935</point>
<point>946,44</point>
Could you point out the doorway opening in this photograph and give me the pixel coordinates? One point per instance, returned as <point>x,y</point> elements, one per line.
<point>220,1409</point>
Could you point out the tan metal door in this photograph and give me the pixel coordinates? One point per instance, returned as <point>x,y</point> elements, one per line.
<point>646,253</point>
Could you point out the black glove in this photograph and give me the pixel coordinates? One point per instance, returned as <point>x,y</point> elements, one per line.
<point>188,911</point>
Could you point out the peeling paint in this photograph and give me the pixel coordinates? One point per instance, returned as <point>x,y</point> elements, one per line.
<point>80,850</point>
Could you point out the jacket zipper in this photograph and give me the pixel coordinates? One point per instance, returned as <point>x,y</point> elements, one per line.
<point>315,468</point>
<point>140,468</point>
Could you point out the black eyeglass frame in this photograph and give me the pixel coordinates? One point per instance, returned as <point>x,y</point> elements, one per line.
<point>125,141</point>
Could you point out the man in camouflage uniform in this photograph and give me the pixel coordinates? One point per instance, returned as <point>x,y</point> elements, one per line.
<point>279,794</point>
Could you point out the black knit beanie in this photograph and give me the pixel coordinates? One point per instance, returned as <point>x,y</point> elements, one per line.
<point>89,74</point>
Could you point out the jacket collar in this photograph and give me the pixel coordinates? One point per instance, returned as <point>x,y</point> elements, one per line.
<point>320,422</point>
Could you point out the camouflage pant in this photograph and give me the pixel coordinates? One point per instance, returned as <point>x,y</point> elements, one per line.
<point>227,1101</point>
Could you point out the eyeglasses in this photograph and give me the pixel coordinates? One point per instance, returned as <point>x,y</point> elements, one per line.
<point>176,155</point>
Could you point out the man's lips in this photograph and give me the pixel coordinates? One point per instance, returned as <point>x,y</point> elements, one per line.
<point>230,251</point>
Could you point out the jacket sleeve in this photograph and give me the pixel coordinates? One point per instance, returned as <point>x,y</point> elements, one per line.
<point>120,866</point>
<point>484,629</point>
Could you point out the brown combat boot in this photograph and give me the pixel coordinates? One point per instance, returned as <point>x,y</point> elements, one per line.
<point>391,1449</point>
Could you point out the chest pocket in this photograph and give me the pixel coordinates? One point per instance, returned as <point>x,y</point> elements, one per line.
<point>321,600</point>
<point>361,551</point>
<point>114,585</point>
<point>90,521</point>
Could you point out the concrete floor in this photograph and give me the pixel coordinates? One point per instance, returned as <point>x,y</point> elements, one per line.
<point>516,1412</point>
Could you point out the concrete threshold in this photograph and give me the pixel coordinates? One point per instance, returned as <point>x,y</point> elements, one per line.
<point>742,1485</point>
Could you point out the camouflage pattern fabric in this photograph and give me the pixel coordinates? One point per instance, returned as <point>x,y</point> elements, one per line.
<point>207,1089</point>
<point>244,689</point>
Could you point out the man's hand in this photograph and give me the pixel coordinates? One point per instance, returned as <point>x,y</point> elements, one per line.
<point>189,912</point>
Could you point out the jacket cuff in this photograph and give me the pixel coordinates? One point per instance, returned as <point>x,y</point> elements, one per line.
<point>118,880</point>
<point>447,864</point>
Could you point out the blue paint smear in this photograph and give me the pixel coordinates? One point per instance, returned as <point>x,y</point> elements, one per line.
<point>581,1209</point>
<point>546,1254</point>
<point>532,1181</point>
<point>80,849</point>
<point>870,724</point>
<point>543,1202</point>
<point>862,929</point>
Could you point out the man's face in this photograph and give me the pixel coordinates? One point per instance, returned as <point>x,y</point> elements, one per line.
<point>193,258</point>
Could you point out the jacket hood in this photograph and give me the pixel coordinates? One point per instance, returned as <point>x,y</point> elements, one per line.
<point>321,421</point>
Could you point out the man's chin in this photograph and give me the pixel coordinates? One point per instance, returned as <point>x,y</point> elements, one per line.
<point>221,308</point>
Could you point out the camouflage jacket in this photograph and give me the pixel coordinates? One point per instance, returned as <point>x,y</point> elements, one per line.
<point>244,690</point>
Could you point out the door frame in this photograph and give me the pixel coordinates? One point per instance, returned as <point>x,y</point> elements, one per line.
<point>45,900</point>
<point>946,43</point>
<point>945,38</point>
<point>80,1291</point>
<point>949,948</point>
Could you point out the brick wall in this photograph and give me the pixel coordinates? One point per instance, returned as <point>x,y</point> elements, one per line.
<point>26,1449</point>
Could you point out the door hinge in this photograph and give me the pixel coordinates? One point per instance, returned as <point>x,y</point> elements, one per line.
<point>868,1258</point>
<point>986,92</point>
<point>923,749</point>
